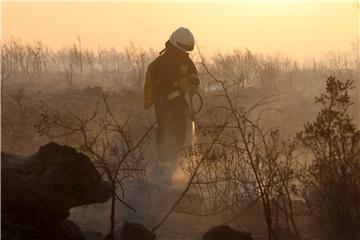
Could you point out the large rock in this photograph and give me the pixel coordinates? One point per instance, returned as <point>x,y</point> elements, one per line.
<point>135,231</point>
<point>39,190</point>
<point>224,232</point>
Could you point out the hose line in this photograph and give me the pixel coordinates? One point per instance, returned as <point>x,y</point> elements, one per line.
<point>201,102</point>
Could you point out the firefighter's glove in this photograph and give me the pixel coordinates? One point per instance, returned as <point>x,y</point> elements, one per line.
<point>186,86</point>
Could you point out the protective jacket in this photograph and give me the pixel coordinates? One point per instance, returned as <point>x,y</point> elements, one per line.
<point>164,76</point>
<point>171,67</point>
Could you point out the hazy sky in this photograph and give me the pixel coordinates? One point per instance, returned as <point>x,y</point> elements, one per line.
<point>294,29</point>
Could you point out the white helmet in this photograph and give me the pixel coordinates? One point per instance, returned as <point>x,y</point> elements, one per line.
<point>183,39</point>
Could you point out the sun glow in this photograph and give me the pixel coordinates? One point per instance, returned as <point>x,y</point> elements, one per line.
<point>297,29</point>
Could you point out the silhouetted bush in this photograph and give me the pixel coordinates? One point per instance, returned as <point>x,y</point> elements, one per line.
<point>332,178</point>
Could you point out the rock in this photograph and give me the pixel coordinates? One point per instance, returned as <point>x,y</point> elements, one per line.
<point>135,231</point>
<point>224,232</point>
<point>93,235</point>
<point>39,190</point>
<point>63,230</point>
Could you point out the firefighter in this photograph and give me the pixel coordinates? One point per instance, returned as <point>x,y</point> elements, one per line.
<point>169,79</point>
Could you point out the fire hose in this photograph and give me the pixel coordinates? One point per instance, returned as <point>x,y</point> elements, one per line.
<point>193,112</point>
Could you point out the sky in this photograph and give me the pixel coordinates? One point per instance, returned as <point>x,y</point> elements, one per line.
<point>299,29</point>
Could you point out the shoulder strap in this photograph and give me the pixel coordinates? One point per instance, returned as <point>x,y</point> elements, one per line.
<point>162,52</point>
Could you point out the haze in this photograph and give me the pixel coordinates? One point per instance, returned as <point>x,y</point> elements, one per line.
<point>299,30</point>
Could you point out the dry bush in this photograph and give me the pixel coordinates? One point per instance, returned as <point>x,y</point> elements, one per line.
<point>331,180</point>
<point>29,60</point>
<point>75,64</point>
<point>78,67</point>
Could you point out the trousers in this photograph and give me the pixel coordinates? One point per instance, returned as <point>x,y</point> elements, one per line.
<point>170,136</point>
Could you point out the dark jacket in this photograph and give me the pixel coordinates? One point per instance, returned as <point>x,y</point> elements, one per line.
<point>171,65</point>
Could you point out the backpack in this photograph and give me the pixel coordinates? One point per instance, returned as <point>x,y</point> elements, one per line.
<point>150,86</point>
